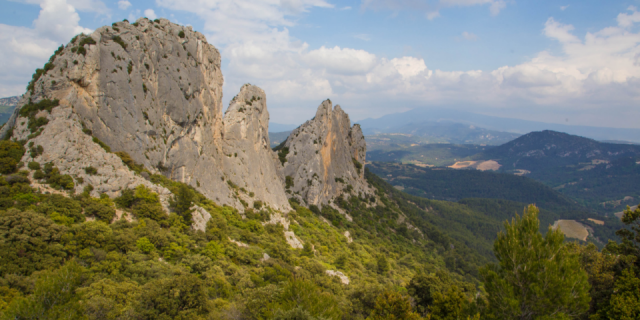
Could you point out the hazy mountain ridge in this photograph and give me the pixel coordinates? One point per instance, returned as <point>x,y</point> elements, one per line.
<point>508,125</point>
<point>546,149</point>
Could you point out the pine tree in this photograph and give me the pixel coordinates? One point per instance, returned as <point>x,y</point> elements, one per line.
<point>537,276</point>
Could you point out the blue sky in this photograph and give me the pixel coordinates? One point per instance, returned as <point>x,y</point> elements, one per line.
<point>540,60</point>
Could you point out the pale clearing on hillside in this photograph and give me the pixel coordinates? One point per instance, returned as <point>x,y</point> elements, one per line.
<point>488,165</point>
<point>572,229</point>
<point>462,164</point>
<point>598,222</point>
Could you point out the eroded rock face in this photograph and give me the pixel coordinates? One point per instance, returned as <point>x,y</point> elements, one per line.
<point>154,90</point>
<point>325,158</point>
<point>248,161</point>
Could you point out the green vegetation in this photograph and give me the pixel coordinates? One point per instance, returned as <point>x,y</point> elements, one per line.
<point>181,34</point>
<point>10,154</point>
<point>282,154</point>
<point>119,41</point>
<point>453,185</point>
<point>535,276</point>
<point>101,144</point>
<point>439,154</point>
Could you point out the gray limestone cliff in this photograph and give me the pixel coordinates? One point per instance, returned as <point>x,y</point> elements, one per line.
<point>248,163</point>
<point>153,90</point>
<point>324,158</point>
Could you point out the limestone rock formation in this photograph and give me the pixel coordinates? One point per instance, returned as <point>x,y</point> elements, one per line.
<point>324,158</point>
<point>248,163</point>
<point>153,89</point>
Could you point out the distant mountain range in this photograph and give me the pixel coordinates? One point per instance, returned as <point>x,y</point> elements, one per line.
<point>6,107</point>
<point>548,149</point>
<point>424,119</point>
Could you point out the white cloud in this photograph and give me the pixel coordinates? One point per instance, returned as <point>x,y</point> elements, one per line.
<point>124,4</point>
<point>626,20</point>
<point>558,31</point>
<point>26,49</point>
<point>149,13</point>
<point>563,8</point>
<point>58,21</point>
<point>409,66</point>
<point>469,36</point>
<point>255,40</point>
<point>341,61</point>
<point>80,5</point>
<point>345,8</point>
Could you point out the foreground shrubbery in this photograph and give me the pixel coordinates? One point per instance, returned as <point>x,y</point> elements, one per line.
<point>56,264</point>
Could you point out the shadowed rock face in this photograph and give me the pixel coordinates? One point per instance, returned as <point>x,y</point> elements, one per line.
<point>326,156</point>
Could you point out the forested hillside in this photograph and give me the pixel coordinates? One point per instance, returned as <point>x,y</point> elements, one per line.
<point>598,175</point>
<point>66,255</point>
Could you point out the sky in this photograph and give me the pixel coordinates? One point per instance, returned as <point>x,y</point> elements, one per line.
<point>570,62</point>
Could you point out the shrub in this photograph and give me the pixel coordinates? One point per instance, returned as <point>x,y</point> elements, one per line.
<point>85,41</point>
<point>36,123</point>
<point>128,161</point>
<point>102,144</point>
<point>38,175</point>
<point>119,41</point>
<point>30,109</point>
<point>130,67</point>
<point>282,155</point>
<point>100,211</point>
<point>33,165</point>
<point>181,34</point>
<point>90,170</point>
<point>288,182</point>
<point>257,205</point>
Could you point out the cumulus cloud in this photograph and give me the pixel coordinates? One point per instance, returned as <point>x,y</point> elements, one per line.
<point>626,20</point>
<point>124,4</point>
<point>25,49</point>
<point>149,13</point>
<point>255,40</point>
<point>81,5</point>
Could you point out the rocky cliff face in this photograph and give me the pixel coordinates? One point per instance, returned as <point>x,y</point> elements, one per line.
<point>248,164</point>
<point>324,158</point>
<point>154,90</point>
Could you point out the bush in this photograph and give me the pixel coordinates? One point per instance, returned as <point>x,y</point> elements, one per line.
<point>282,155</point>
<point>128,161</point>
<point>8,165</point>
<point>119,41</point>
<point>90,170</point>
<point>86,40</point>
<point>102,144</point>
<point>181,34</point>
<point>100,211</point>
<point>30,109</point>
<point>288,182</point>
<point>33,165</point>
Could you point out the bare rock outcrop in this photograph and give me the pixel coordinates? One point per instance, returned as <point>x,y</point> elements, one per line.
<point>248,161</point>
<point>324,158</point>
<point>153,89</point>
